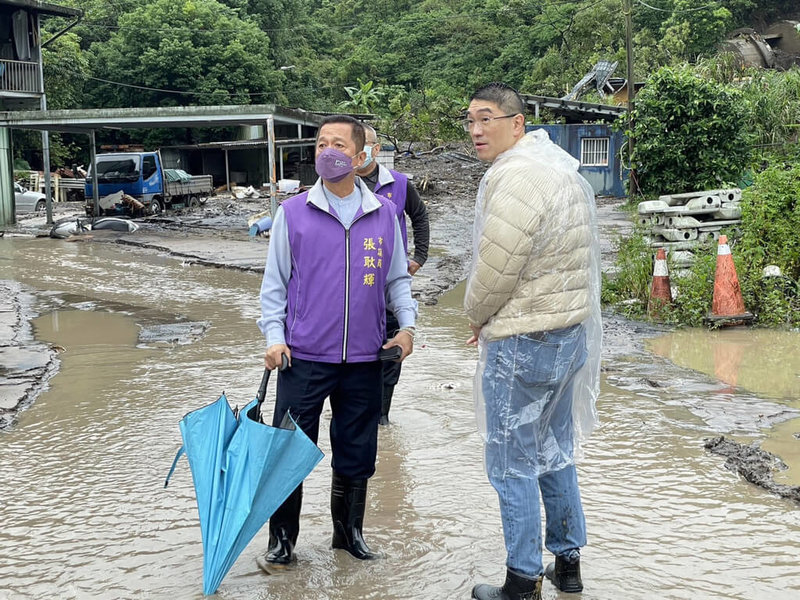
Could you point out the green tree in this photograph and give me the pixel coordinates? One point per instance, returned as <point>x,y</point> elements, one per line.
<point>693,30</point>
<point>99,19</point>
<point>690,132</point>
<point>281,20</point>
<point>426,116</point>
<point>199,48</point>
<point>65,70</point>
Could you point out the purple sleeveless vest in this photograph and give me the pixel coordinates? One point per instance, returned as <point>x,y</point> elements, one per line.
<point>336,294</point>
<point>396,192</point>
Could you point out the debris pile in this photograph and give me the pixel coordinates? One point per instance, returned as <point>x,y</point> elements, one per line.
<point>681,223</point>
<point>241,193</point>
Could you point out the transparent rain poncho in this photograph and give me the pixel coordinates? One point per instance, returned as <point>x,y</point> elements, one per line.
<point>534,289</point>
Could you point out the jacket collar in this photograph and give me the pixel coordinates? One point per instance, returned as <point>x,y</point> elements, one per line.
<point>369,202</point>
<point>385,176</point>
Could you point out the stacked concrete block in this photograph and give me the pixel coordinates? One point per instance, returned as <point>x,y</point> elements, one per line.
<point>680,223</point>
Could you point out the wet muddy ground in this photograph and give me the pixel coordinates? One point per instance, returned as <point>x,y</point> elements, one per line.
<point>138,330</point>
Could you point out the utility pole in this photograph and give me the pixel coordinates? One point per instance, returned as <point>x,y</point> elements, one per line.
<point>633,183</point>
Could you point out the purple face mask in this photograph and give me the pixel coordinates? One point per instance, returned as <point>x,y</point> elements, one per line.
<point>333,165</point>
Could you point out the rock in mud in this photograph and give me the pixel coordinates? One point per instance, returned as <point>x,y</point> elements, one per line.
<point>173,333</point>
<point>754,464</point>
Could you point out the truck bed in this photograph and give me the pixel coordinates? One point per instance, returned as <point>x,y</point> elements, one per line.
<point>196,185</point>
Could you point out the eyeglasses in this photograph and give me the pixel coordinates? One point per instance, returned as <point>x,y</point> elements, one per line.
<point>468,124</point>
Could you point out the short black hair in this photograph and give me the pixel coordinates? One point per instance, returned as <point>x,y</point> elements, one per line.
<point>357,134</point>
<point>506,97</point>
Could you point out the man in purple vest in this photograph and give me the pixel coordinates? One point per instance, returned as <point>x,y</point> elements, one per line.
<point>398,188</point>
<point>336,263</point>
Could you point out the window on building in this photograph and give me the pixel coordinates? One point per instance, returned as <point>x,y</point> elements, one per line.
<point>594,152</point>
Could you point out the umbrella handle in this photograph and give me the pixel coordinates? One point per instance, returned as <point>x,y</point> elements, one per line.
<point>262,389</point>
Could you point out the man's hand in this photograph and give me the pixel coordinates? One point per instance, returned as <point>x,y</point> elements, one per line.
<point>273,357</point>
<point>413,267</point>
<point>476,333</point>
<point>403,339</point>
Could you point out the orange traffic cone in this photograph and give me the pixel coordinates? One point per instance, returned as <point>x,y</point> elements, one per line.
<point>727,306</point>
<point>660,291</point>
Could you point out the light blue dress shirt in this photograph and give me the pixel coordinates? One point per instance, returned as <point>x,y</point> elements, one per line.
<point>275,283</point>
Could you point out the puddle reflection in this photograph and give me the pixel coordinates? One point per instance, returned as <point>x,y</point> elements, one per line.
<point>762,361</point>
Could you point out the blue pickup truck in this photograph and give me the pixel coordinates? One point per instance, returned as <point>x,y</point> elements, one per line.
<point>136,183</point>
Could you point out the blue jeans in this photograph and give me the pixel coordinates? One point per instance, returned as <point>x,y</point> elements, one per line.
<point>527,388</point>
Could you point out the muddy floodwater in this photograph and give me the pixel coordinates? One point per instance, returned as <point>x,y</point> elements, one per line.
<point>84,511</point>
<point>763,362</point>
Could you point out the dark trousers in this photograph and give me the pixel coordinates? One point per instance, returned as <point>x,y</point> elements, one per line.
<point>355,393</point>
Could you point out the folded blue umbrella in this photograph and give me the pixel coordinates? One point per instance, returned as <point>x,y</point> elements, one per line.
<point>243,470</point>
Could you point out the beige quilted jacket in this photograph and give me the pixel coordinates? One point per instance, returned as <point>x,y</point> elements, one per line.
<point>533,236</point>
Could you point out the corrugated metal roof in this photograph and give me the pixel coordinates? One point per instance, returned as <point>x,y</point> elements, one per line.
<point>86,120</point>
<point>576,110</point>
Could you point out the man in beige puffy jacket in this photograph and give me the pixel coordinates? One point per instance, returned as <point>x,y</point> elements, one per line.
<point>532,301</point>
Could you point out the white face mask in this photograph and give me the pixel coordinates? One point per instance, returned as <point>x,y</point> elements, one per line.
<point>368,161</point>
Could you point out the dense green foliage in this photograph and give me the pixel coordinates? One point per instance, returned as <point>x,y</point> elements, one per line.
<point>421,58</point>
<point>629,288</point>
<point>413,63</point>
<point>773,99</point>
<point>689,133</point>
<point>200,48</point>
<point>771,218</point>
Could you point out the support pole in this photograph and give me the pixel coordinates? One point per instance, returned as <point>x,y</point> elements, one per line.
<point>273,190</point>
<point>227,172</point>
<point>7,201</point>
<point>46,165</point>
<point>633,182</point>
<point>95,178</point>
<point>45,146</point>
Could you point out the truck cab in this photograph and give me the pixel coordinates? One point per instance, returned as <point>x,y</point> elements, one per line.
<point>136,174</point>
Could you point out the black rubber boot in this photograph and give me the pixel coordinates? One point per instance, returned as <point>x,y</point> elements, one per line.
<point>348,502</point>
<point>284,527</point>
<point>565,575</point>
<point>386,403</point>
<point>516,587</point>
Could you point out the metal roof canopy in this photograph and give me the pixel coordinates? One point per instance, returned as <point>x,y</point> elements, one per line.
<point>88,121</point>
<point>574,109</point>
<point>44,8</point>
<point>244,144</point>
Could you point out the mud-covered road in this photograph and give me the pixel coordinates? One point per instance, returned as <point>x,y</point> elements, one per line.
<point>216,235</point>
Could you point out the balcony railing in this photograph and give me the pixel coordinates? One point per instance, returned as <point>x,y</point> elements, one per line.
<point>19,76</point>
